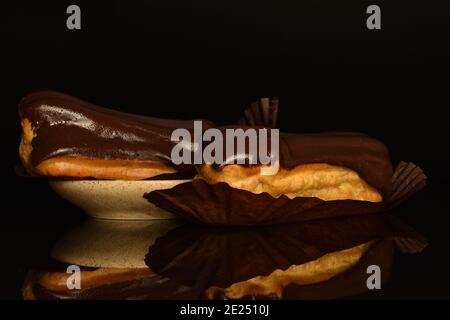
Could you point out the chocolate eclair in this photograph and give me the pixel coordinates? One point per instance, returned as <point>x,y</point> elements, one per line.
<point>328,166</point>
<point>64,136</point>
<point>314,176</point>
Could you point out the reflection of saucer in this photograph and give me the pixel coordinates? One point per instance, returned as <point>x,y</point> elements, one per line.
<point>110,243</point>
<point>114,199</point>
<point>110,254</point>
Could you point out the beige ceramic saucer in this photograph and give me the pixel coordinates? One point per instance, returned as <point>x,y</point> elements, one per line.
<point>114,199</point>
<point>110,243</point>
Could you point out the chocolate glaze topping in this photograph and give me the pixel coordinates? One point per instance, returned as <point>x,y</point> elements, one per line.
<point>68,126</point>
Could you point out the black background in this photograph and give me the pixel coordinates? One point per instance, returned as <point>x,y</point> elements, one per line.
<point>209,59</point>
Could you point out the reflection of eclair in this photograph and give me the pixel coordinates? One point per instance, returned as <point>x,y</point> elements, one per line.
<point>328,166</point>
<point>66,137</point>
<point>99,284</point>
<point>334,275</point>
<point>269,261</point>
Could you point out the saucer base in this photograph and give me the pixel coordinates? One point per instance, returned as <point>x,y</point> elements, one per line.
<point>114,199</point>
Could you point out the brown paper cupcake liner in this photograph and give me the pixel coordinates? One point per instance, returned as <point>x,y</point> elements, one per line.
<point>407,180</point>
<point>261,113</point>
<point>220,204</point>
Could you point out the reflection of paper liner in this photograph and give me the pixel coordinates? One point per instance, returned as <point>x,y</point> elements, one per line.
<point>220,204</point>
<point>316,253</point>
<point>317,259</point>
<point>261,113</point>
<point>202,257</point>
<point>406,181</point>
<point>407,239</point>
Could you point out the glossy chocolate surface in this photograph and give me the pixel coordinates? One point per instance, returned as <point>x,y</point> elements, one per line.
<point>68,126</point>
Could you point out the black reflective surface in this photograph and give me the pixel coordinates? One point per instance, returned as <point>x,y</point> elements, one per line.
<point>169,259</point>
